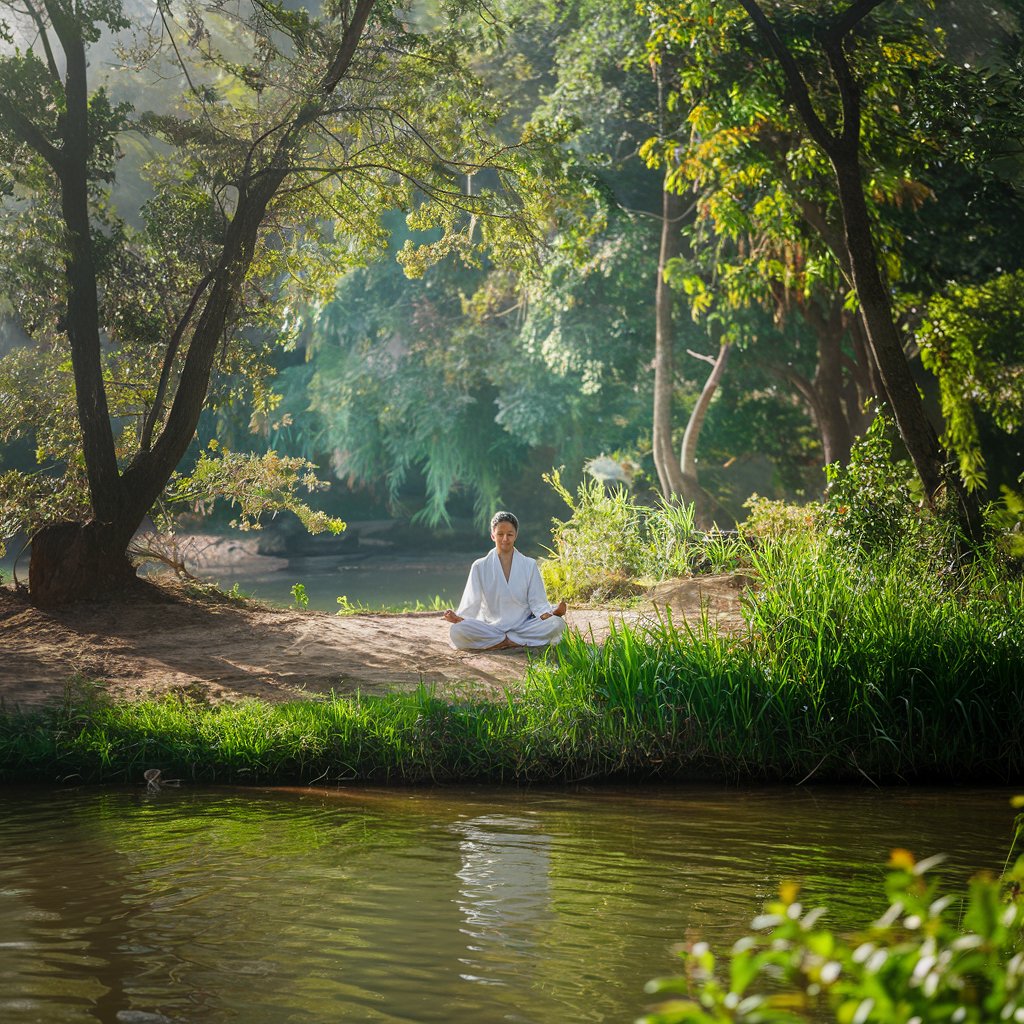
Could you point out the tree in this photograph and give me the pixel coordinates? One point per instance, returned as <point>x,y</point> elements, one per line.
<point>287,122</point>
<point>839,71</point>
<point>841,142</point>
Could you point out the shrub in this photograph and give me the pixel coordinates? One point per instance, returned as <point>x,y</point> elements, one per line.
<point>870,506</point>
<point>928,959</point>
<point>612,546</point>
<point>769,520</point>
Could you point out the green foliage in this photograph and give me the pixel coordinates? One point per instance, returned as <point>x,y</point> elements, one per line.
<point>256,485</point>
<point>870,506</point>
<point>970,339</point>
<point>930,958</point>
<point>299,595</point>
<point>1006,519</point>
<point>612,547</point>
<point>399,384</point>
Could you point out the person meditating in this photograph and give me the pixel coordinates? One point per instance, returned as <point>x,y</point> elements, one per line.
<point>504,604</point>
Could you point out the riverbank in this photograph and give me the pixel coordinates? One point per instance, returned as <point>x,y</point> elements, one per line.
<point>815,680</point>
<point>171,639</point>
<point>168,638</point>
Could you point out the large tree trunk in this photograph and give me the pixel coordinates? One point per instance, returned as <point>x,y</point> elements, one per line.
<point>883,338</point>
<point>942,484</point>
<point>74,561</point>
<point>670,479</point>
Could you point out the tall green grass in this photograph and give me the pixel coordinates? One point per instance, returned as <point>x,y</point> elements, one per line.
<point>845,672</point>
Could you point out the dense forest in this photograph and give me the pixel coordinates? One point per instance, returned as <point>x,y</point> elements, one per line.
<point>411,257</point>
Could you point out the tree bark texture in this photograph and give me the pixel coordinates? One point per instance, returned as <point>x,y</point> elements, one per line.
<point>73,561</point>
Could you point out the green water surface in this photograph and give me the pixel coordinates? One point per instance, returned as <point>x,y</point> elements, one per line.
<point>453,905</point>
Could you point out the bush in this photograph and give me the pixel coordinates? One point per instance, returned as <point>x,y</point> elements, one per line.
<point>611,546</point>
<point>769,520</point>
<point>929,959</point>
<point>871,507</point>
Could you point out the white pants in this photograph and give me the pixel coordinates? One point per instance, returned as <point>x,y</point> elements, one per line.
<point>475,635</point>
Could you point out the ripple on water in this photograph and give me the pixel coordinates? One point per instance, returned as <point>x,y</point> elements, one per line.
<point>451,905</point>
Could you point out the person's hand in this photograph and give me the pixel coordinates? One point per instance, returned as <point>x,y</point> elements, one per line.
<point>450,616</point>
<point>560,610</point>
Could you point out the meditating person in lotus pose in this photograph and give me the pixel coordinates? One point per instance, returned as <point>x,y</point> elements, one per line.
<point>504,604</point>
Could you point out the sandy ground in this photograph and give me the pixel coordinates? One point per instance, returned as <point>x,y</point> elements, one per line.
<point>162,640</point>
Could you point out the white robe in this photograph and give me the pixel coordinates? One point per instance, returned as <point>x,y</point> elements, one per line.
<point>494,608</point>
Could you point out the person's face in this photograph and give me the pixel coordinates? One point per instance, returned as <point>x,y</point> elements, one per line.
<point>504,537</point>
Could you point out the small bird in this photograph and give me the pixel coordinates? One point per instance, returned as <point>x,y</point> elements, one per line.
<point>155,781</point>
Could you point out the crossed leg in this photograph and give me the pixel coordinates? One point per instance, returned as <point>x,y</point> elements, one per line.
<point>476,635</point>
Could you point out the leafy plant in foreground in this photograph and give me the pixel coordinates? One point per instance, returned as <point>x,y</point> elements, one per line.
<point>930,958</point>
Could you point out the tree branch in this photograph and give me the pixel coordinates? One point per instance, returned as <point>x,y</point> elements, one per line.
<point>169,356</point>
<point>799,93</point>
<point>347,50</point>
<point>849,94</point>
<point>29,134</point>
<point>850,18</point>
<point>51,63</point>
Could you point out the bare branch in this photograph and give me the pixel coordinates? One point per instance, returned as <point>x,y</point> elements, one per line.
<point>169,356</point>
<point>702,356</point>
<point>44,38</point>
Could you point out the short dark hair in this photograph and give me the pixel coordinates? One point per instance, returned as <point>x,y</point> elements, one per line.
<point>503,517</point>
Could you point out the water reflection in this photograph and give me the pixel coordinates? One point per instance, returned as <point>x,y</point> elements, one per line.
<point>504,897</point>
<point>424,906</point>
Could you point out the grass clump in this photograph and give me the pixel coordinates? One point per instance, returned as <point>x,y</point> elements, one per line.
<point>613,547</point>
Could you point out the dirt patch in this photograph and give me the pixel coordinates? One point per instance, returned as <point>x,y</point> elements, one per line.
<point>162,639</point>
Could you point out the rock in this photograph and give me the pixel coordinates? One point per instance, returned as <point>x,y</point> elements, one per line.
<point>721,595</point>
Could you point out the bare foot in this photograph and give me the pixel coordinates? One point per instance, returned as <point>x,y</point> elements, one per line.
<point>560,610</point>
<point>502,645</point>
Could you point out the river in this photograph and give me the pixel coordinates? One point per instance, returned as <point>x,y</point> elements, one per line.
<point>374,580</point>
<point>451,905</point>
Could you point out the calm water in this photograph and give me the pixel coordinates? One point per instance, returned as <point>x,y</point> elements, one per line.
<point>374,580</point>
<point>264,907</point>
